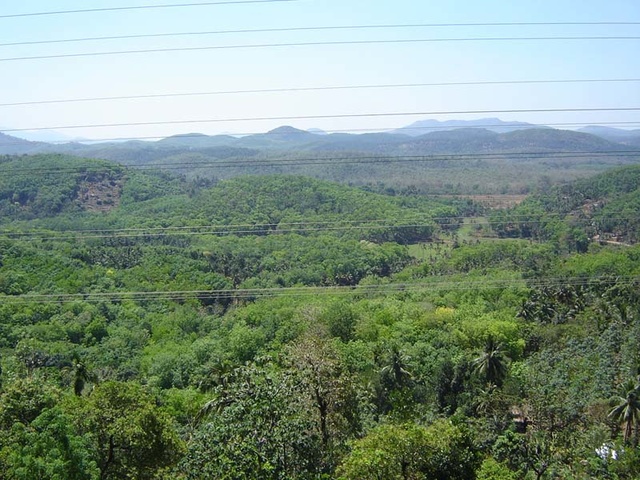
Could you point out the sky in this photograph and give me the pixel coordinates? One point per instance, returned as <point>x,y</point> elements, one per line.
<point>291,67</point>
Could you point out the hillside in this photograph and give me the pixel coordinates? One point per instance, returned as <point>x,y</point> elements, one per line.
<point>602,208</point>
<point>48,185</point>
<point>618,135</point>
<point>215,320</point>
<point>10,145</point>
<point>69,190</point>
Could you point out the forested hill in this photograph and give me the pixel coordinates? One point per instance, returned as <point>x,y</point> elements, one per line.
<point>43,186</point>
<point>10,145</point>
<point>283,327</point>
<point>62,192</point>
<point>604,207</point>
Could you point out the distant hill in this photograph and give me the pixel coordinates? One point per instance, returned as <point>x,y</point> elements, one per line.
<point>467,139</point>
<point>422,127</point>
<point>195,141</point>
<point>10,145</point>
<point>46,185</point>
<point>478,140</point>
<point>494,162</point>
<point>626,137</point>
<point>317,131</point>
<point>551,139</point>
<point>50,136</point>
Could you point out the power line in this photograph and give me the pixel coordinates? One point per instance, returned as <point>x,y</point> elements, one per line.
<point>311,44</point>
<point>331,160</point>
<point>316,117</point>
<point>443,283</point>
<point>313,89</point>
<point>311,28</point>
<point>265,229</point>
<point>245,225</point>
<point>139,7</point>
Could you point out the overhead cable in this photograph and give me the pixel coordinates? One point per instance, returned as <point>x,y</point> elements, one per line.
<point>264,229</point>
<point>314,44</point>
<point>310,28</point>
<point>317,117</point>
<point>313,89</point>
<point>139,7</point>
<point>442,283</point>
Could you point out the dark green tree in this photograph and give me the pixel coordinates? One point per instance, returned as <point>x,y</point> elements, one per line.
<point>254,427</point>
<point>627,411</point>
<point>404,452</point>
<point>130,436</point>
<point>491,363</point>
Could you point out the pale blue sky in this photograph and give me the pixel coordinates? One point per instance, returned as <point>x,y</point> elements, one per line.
<point>310,66</point>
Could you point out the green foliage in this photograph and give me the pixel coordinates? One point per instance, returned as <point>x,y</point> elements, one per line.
<point>491,364</point>
<point>129,435</point>
<point>23,400</point>
<point>627,411</point>
<point>602,207</point>
<point>509,254</point>
<point>49,448</point>
<point>27,196</point>
<point>440,450</point>
<point>251,429</point>
<point>493,470</point>
<point>415,367</point>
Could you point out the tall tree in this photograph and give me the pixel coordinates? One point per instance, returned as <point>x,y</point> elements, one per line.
<point>130,435</point>
<point>254,428</point>
<point>396,367</point>
<point>627,410</point>
<point>491,363</point>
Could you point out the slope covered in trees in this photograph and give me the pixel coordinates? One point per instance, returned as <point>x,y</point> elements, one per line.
<point>604,207</point>
<point>290,328</point>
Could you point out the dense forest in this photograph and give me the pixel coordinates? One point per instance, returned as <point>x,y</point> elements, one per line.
<point>165,326</point>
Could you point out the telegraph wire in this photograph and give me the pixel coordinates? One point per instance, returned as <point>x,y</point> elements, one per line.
<point>311,28</point>
<point>140,7</point>
<point>313,89</point>
<point>244,225</point>
<point>269,228</point>
<point>313,44</point>
<point>443,283</point>
<point>317,117</point>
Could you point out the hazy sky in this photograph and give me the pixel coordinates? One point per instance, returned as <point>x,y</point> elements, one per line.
<point>314,66</point>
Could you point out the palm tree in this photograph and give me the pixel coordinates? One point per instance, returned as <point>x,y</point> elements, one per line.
<point>396,367</point>
<point>627,410</point>
<point>81,375</point>
<point>492,363</point>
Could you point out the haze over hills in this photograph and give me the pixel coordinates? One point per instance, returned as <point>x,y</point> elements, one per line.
<point>459,137</point>
<point>618,135</point>
<point>473,159</point>
<point>422,127</point>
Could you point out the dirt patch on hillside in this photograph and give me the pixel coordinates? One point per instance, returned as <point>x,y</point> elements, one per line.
<point>100,195</point>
